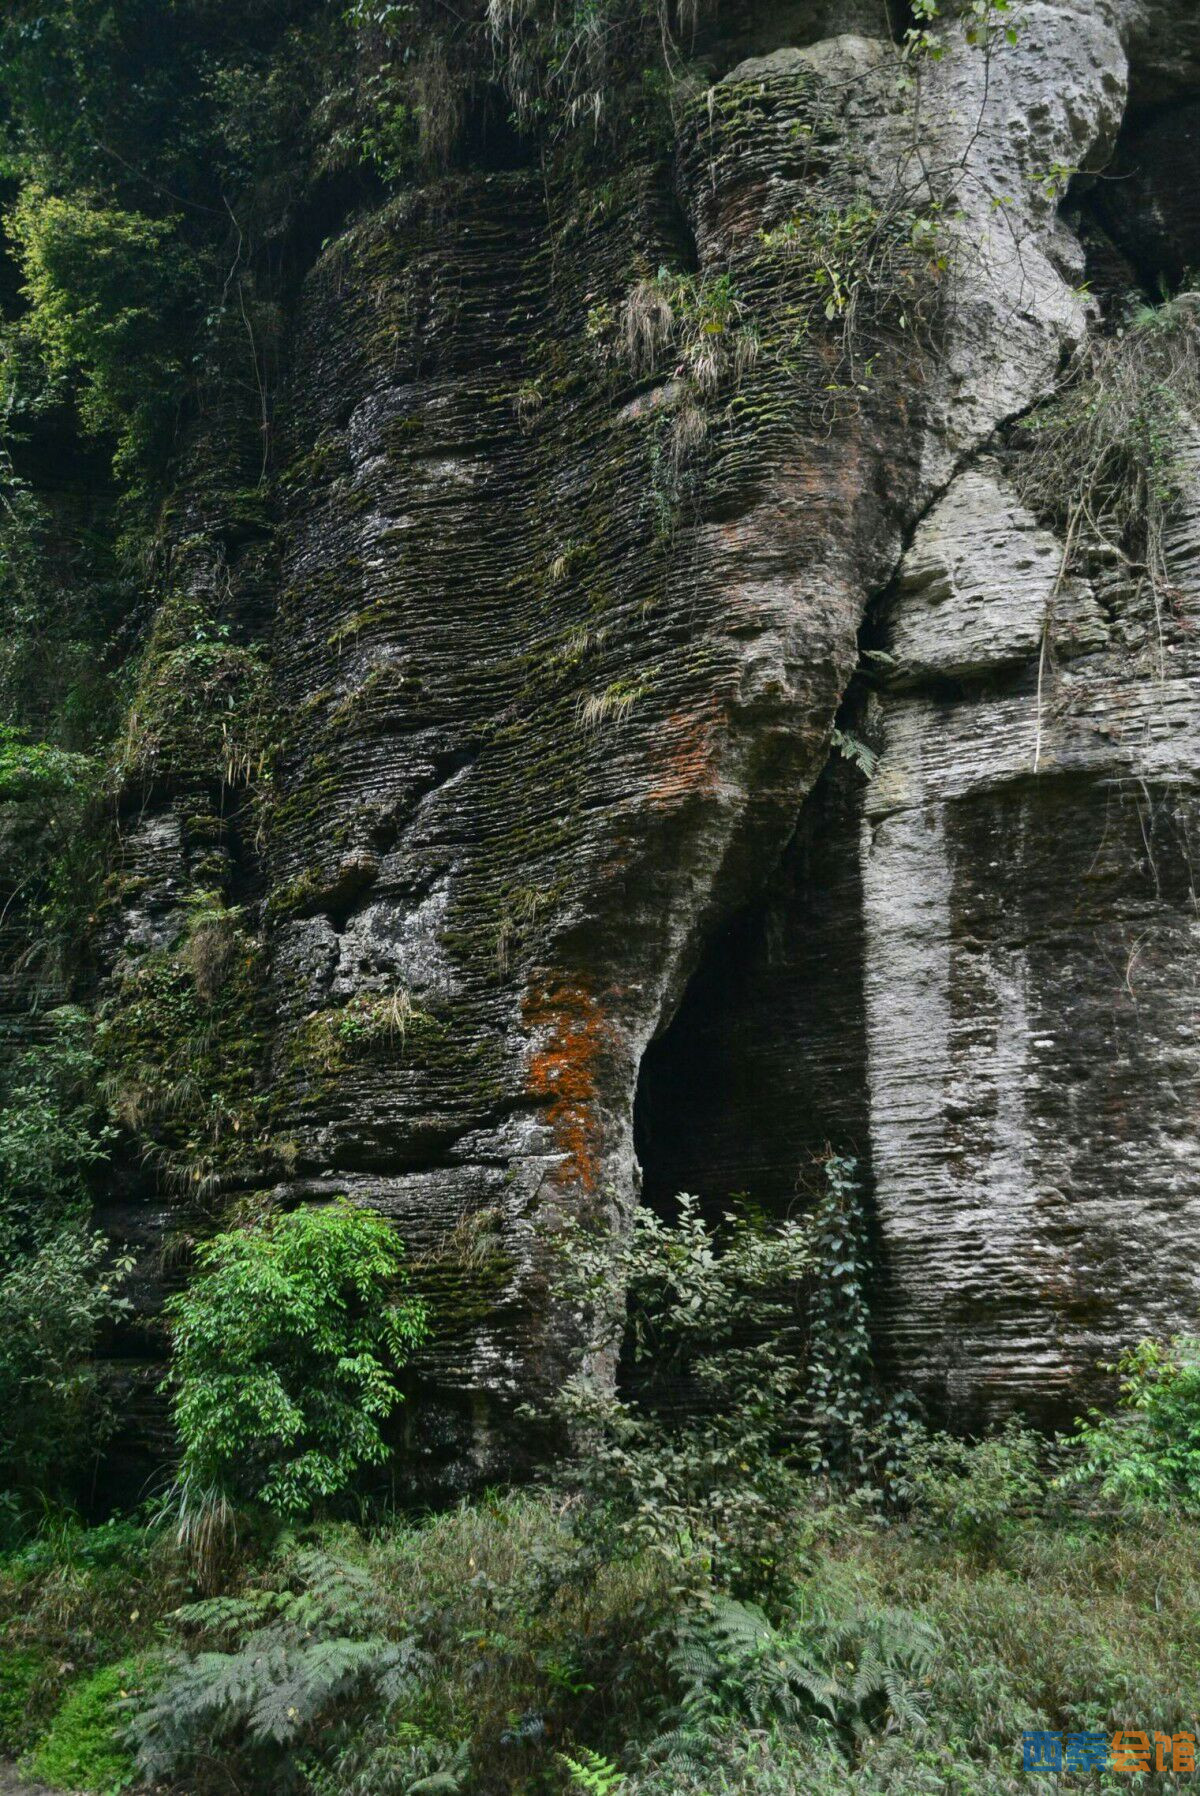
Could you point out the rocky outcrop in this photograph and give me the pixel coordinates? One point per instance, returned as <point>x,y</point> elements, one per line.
<point>588,493</point>
<point>558,678</point>
<point>1030,928</point>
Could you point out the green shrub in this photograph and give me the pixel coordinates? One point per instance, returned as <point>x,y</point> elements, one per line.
<point>75,1599</point>
<point>297,1658</point>
<point>697,1463</point>
<point>894,1662</point>
<point>1147,1454</point>
<point>53,1415</point>
<point>285,1352</point>
<point>431,1650</point>
<point>85,1748</point>
<point>971,1490</point>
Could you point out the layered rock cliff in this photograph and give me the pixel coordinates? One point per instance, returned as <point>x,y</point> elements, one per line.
<point>697,731</point>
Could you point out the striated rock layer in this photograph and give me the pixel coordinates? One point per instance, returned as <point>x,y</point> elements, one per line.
<point>562,623</point>
<point>1029,907</point>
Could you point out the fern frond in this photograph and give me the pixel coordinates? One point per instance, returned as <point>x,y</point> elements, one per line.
<point>594,1773</point>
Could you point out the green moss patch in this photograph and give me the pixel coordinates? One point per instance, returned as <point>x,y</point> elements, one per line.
<point>85,1747</point>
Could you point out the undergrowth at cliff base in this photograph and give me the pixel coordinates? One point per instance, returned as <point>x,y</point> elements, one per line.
<point>749,1575</point>
<point>460,1654</point>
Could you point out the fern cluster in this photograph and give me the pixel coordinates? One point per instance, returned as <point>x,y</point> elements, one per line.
<point>288,1663</point>
<point>852,1674</point>
<point>594,1773</point>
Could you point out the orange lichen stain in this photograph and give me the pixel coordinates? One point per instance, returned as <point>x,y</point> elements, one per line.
<point>563,1072</point>
<point>688,762</point>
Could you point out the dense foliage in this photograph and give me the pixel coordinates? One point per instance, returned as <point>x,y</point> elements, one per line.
<point>286,1347</point>
<point>59,1285</point>
<point>1146,1453</point>
<point>695,1601</point>
<point>54,1301</point>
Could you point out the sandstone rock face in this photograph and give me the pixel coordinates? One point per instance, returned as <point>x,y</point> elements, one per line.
<point>1029,912</point>
<point>563,619</point>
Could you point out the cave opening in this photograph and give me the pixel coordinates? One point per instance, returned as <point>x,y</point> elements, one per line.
<point>490,138</point>
<point>762,1067</point>
<point>694,1107</point>
<point>1138,216</point>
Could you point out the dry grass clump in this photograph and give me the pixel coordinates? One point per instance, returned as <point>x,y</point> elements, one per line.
<point>1106,459</point>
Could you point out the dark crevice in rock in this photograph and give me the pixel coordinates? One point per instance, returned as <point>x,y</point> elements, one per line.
<point>489,141</point>
<point>354,880</point>
<point>901,18</point>
<point>764,1062</point>
<point>1146,201</point>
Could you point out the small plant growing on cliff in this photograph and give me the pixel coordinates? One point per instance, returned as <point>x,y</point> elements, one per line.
<point>286,1348</point>
<point>698,326</point>
<point>700,317</point>
<point>862,272</point>
<point>50,1134</point>
<point>1105,460</point>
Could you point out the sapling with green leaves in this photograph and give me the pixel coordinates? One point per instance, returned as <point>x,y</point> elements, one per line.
<point>286,1350</point>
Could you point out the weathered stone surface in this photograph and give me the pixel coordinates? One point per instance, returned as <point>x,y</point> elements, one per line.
<point>553,706</point>
<point>556,645</point>
<point>1163,38</point>
<point>976,585</point>
<point>552,743</point>
<point>1031,988</point>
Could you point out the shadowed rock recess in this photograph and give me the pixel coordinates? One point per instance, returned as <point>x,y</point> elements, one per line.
<point>562,891</point>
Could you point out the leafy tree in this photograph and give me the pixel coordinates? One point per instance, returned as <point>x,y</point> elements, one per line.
<point>53,1413</point>
<point>285,1352</point>
<point>106,289</point>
